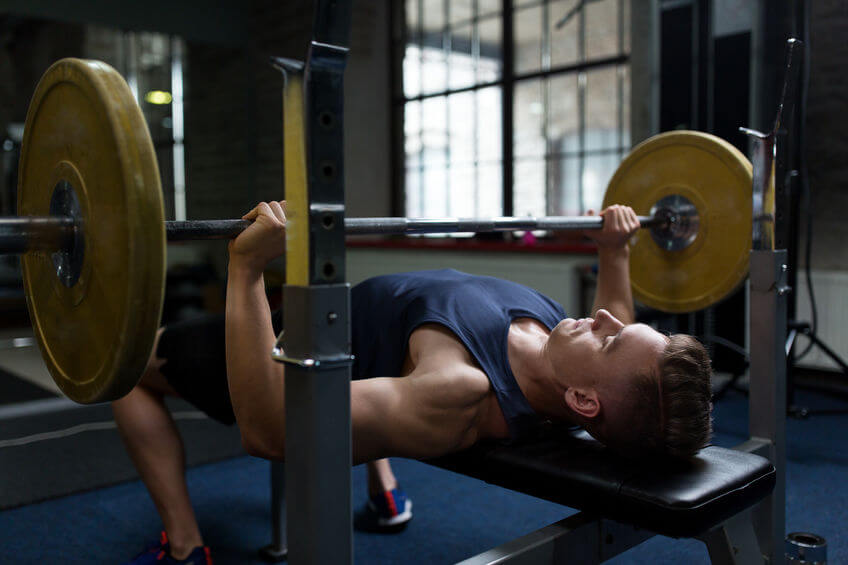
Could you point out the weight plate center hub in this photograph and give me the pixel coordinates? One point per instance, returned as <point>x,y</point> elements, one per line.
<point>679,223</point>
<point>68,262</point>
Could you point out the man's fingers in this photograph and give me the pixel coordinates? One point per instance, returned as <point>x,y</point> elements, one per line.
<point>612,218</point>
<point>273,211</point>
<point>277,210</point>
<point>252,214</point>
<point>634,219</point>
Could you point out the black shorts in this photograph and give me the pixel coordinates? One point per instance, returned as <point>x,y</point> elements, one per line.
<point>196,363</point>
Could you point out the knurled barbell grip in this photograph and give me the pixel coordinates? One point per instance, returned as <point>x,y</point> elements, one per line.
<point>20,234</point>
<point>225,229</point>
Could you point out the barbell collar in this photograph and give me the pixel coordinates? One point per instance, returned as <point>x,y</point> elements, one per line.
<point>21,234</point>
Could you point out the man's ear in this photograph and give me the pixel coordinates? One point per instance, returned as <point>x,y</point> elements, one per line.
<point>583,401</point>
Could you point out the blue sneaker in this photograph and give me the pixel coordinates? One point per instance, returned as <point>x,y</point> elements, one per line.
<point>159,554</point>
<point>392,509</point>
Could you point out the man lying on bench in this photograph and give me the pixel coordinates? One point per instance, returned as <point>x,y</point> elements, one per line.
<point>443,359</point>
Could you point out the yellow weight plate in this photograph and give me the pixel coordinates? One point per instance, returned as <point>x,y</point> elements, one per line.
<point>715,177</point>
<point>84,129</point>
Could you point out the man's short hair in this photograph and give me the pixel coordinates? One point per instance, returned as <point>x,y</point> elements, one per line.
<point>682,394</point>
<point>670,409</point>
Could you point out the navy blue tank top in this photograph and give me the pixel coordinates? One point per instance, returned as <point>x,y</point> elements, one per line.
<point>479,310</point>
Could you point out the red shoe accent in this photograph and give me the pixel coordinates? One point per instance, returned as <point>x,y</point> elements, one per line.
<point>390,499</point>
<point>208,555</point>
<point>163,537</point>
<point>161,555</point>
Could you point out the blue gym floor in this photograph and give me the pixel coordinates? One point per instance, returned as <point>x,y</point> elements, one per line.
<point>455,517</point>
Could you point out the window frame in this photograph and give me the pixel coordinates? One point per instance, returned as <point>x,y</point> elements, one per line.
<point>507,84</point>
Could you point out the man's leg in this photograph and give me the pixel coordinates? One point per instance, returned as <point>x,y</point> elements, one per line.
<point>387,503</point>
<point>156,448</point>
<point>380,477</point>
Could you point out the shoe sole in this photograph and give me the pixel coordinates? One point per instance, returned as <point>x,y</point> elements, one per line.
<point>398,519</point>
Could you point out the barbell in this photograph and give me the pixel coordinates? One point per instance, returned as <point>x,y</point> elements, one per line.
<point>92,232</point>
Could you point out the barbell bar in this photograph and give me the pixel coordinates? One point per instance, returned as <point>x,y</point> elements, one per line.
<point>56,233</point>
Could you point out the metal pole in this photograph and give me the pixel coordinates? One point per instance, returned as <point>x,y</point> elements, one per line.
<point>767,395</point>
<point>19,234</point>
<point>316,348</point>
<point>49,233</point>
<point>278,549</point>
<point>768,320</point>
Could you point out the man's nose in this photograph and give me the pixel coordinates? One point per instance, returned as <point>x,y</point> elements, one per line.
<point>604,318</point>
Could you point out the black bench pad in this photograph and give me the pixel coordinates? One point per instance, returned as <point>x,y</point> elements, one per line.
<point>672,498</point>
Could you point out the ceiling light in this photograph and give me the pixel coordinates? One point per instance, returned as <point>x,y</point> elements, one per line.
<point>158,97</point>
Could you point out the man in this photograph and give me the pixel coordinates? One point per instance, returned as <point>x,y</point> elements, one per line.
<point>445,359</point>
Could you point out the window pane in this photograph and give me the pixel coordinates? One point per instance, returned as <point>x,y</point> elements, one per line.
<point>597,172</point>
<point>489,197</point>
<point>489,147</point>
<point>412,53</point>
<point>564,114</point>
<point>413,192</point>
<point>488,7</point>
<point>412,133</point>
<point>601,109</point>
<point>411,15</point>
<point>460,11</point>
<point>412,70</point>
<point>434,60</point>
<point>433,16</point>
<point>461,191</point>
<point>528,39</point>
<point>461,128</point>
<point>434,71</point>
<point>434,131</point>
<point>461,63</point>
<point>490,50</point>
<point>565,40</point>
<point>528,115</point>
<point>564,186</point>
<point>601,29</point>
<point>434,192</point>
<point>529,188</point>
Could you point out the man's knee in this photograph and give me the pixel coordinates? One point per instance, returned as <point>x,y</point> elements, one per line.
<point>152,379</point>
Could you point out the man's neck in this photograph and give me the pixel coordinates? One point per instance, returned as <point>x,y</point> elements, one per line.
<point>533,370</point>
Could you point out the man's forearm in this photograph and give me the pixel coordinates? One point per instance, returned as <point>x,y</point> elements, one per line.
<point>613,288</point>
<point>255,379</point>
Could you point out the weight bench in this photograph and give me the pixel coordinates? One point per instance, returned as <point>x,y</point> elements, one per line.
<point>623,502</point>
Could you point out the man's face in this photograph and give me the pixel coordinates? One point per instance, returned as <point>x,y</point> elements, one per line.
<point>603,352</point>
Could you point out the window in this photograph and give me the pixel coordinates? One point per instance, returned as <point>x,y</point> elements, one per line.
<point>512,107</point>
<point>152,64</point>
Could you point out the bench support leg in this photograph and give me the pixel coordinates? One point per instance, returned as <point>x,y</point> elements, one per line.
<point>734,542</point>
<point>278,549</point>
<point>767,394</point>
<point>580,538</point>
